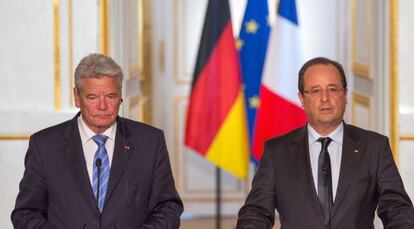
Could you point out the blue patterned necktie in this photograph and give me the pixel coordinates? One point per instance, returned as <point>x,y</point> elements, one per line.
<point>102,154</point>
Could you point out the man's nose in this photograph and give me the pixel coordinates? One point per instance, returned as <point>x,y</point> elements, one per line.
<point>324,95</point>
<point>102,105</point>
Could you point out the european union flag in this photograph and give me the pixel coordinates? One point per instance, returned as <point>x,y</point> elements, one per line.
<point>252,44</point>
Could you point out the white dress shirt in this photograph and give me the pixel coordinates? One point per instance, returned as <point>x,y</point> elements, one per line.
<point>335,154</point>
<point>90,147</point>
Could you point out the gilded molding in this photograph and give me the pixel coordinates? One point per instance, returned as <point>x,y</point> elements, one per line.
<point>56,39</point>
<point>359,69</point>
<point>145,55</point>
<point>394,78</point>
<point>358,99</point>
<point>9,137</point>
<point>104,26</point>
<point>140,68</point>
<point>407,137</point>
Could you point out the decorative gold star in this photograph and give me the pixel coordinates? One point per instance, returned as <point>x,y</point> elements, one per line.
<point>239,43</point>
<point>252,26</point>
<point>254,102</point>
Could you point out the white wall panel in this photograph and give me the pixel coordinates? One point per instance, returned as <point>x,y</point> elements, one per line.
<point>26,56</point>
<point>406,167</point>
<point>11,171</point>
<point>28,62</point>
<point>406,93</point>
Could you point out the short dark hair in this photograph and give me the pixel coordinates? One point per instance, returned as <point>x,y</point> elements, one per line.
<point>320,60</point>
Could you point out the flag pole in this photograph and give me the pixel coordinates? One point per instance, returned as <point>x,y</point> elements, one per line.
<point>218,198</point>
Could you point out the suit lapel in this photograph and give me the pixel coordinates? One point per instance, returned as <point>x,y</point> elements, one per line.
<point>299,152</point>
<point>122,153</point>
<point>73,153</point>
<point>351,155</point>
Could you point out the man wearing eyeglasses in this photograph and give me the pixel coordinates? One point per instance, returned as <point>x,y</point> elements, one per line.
<point>327,174</point>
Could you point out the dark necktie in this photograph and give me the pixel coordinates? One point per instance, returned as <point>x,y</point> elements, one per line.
<point>101,154</point>
<point>325,180</point>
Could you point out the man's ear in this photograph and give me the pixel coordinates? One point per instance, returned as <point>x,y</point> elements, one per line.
<point>301,98</point>
<point>76,97</point>
<point>346,95</point>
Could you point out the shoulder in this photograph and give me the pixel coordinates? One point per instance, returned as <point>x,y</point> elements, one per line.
<point>56,130</point>
<point>296,135</point>
<point>139,128</point>
<point>360,134</point>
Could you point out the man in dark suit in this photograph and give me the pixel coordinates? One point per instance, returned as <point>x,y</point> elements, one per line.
<point>97,170</point>
<point>327,174</point>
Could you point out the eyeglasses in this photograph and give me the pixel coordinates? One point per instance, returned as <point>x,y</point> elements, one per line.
<point>317,92</point>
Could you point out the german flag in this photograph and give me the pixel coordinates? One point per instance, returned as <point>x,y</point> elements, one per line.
<point>216,126</point>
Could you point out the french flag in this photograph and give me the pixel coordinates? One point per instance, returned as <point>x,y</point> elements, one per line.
<point>280,110</point>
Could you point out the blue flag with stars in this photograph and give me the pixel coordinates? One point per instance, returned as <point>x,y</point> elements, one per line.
<point>252,45</point>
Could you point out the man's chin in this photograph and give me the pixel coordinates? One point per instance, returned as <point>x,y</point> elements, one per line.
<point>104,122</point>
<point>329,122</point>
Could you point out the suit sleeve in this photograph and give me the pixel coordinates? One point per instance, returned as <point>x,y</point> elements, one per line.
<point>165,205</point>
<point>394,208</point>
<point>259,208</point>
<point>30,211</point>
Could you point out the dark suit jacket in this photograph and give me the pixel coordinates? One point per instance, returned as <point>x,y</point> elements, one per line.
<point>368,178</point>
<point>55,191</point>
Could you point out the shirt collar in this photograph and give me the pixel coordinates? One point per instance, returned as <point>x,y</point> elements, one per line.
<point>86,133</point>
<point>336,135</point>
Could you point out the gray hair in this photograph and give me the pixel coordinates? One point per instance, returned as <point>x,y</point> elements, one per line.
<point>96,65</point>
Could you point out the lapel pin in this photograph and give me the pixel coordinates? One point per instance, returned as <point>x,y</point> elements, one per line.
<point>356,151</point>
